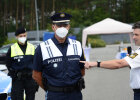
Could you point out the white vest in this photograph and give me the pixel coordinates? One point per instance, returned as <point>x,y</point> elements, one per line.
<point>49,49</point>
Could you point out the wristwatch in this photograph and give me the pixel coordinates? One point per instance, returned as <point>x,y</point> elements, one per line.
<point>98,63</point>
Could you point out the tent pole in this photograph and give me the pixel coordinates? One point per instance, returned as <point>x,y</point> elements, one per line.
<point>131,40</point>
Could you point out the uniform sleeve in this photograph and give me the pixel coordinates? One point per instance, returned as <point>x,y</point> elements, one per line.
<point>134,59</point>
<point>38,62</point>
<point>82,58</point>
<point>8,58</point>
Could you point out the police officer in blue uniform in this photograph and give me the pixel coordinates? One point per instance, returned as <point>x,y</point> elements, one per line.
<point>56,63</point>
<point>20,64</point>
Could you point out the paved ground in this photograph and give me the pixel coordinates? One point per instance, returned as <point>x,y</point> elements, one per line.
<point>104,84</point>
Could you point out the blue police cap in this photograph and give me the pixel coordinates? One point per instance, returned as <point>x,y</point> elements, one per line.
<point>61,18</point>
<point>20,30</point>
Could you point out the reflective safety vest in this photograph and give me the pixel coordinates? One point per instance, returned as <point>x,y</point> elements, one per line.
<point>16,51</point>
<point>50,50</point>
<point>59,69</point>
<point>21,60</point>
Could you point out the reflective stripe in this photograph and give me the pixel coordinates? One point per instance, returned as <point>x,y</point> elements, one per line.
<point>49,49</point>
<point>16,50</point>
<point>75,47</point>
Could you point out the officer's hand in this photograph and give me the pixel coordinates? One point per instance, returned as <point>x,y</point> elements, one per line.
<point>89,64</point>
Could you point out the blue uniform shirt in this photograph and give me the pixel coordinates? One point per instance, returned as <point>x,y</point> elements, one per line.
<point>59,71</point>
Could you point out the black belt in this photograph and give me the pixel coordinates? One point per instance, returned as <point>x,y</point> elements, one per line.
<point>61,89</point>
<point>24,75</point>
<point>136,90</point>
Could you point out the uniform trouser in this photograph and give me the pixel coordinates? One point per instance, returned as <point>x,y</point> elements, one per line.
<point>136,95</point>
<point>19,86</point>
<point>75,95</point>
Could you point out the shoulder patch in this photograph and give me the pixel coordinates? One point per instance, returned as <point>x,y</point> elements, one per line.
<point>133,55</point>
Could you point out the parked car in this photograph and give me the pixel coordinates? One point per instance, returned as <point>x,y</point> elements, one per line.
<point>3,51</point>
<point>5,86</point>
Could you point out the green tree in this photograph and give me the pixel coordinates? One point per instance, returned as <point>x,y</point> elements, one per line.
<point>135,11</point>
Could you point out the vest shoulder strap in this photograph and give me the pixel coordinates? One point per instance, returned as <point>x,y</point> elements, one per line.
<point>15,50</point>
<point>74,48</point>
<point>30,50</point>
<point>49,50</point>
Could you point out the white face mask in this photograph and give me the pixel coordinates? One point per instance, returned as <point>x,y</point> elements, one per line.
<point>61,32</point>
<point>22,39</point>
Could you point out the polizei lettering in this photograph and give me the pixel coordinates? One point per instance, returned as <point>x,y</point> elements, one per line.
<point>54,60</point>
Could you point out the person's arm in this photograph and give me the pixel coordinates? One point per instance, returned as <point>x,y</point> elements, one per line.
<point>38,67</point>
<point>81,64</point>
<point>8,59</point>
<point>111,64</point>
<point>37,76</point>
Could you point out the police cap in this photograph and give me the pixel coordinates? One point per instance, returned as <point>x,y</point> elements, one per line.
<point>61,18</point>
<point>20,30</point>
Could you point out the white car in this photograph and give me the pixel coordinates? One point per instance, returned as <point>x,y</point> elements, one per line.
<point>5,86</point>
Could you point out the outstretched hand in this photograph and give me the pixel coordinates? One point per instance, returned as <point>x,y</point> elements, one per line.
<point>89,64</point>
<point>86,64</point>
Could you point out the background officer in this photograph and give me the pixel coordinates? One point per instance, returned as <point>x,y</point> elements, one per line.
<point>132,61</point>
<point>56,63</point>
<point>20,63</point>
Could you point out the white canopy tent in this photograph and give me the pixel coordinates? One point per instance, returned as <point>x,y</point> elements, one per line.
<point>106,26</point>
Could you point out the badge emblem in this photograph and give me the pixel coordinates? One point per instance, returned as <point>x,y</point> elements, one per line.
<point>62,15</point>
<point>55,65</point>
<point>133,55</point>
<point>18,60</point>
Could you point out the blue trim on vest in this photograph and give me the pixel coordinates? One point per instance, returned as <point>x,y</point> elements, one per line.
<point>75,47</point>
<point>49,49</point>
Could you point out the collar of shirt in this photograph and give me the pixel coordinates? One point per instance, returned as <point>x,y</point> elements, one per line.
<point>57,43</point>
